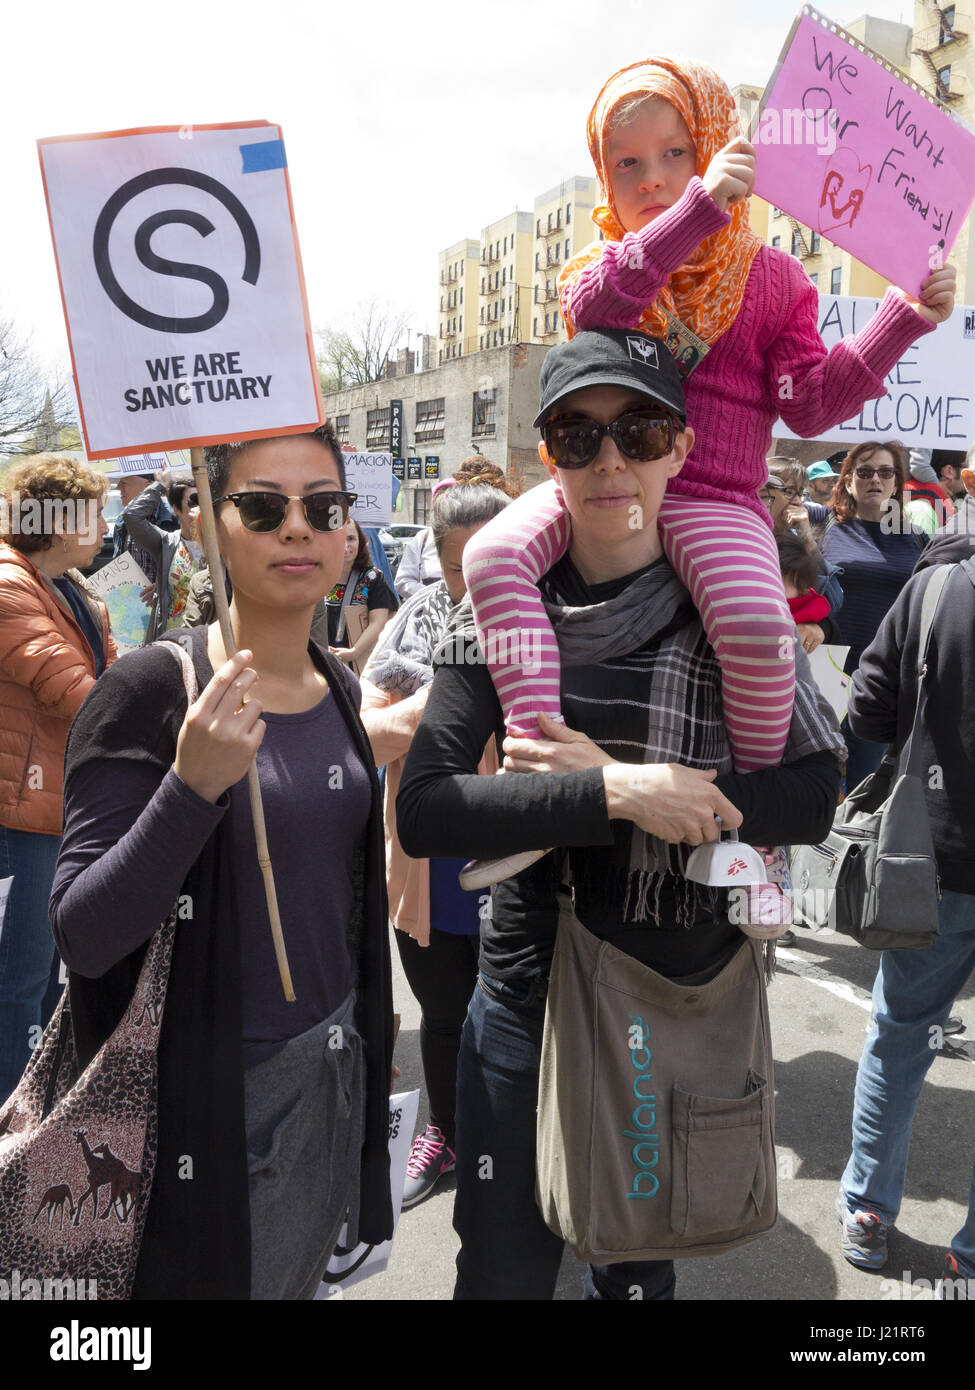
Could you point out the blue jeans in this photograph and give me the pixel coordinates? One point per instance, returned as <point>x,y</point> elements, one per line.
<point>912,995</point>
<point>26,946</point>
<point>507,1251</point>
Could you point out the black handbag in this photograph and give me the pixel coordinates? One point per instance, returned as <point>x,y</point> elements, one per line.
<point>875,876</point>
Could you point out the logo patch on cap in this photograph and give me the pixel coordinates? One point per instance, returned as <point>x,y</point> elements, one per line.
<point>643,350</point>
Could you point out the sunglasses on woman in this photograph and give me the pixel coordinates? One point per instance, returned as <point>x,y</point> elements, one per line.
<point>885,474</point>
<point>265,511</point>
<point>641,435</point>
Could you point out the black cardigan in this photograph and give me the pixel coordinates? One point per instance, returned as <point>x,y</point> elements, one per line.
<point>196,1243</point>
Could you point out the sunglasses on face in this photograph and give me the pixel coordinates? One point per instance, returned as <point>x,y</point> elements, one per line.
<point>885,474</point>
<point>265,511</point>
<point>641,435</point>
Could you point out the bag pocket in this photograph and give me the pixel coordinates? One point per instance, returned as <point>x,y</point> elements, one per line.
<point>723,1162</point>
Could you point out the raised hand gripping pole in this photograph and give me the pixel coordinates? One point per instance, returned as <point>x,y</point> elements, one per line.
<point>208,527</point>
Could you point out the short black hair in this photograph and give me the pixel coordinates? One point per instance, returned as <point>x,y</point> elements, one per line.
<point>219,457</point>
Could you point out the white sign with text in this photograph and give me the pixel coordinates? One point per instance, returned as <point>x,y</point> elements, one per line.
<point>930,400</point>
<point>182,285</point>
<point>370,477</point>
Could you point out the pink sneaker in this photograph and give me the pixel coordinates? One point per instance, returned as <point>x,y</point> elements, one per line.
<point>764,910</point>
<point>430,1157</point>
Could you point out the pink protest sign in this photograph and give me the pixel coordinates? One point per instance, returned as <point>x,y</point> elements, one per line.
<point>854,151</point>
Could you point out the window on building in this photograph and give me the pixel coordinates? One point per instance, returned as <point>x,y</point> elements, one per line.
<point>568,213</point>
<point>482,419</point>
<point>814,277</point>
<point>342,428</point>
<point>567,249</point>
<point>538,260</point>
<point>944,77</point>
<point>535,328</point>
<point>462,294</point>
<point>558,218</point>
<point>495,337</point>
<point>777,243</point>
<point>796,243</point>
<point>441,303</point>
<point>429,420</point>
<point>377,428</point>
<point>538,227</point>
<point>509,303</point>
<point>947,24</point>
<point>815,243</point>
<point>835,277</point>
<point>422,505</point>
<point>480,343</point>
<point>506,246</point>
<point>549,222</point>
<point>504,275</point>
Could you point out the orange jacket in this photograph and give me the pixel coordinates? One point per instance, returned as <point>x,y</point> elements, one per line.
<point>46,670</point>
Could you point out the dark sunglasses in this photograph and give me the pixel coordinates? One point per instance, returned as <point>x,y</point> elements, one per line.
<point>641,435</point>
<point>265,511</point>
<point>885,473</point>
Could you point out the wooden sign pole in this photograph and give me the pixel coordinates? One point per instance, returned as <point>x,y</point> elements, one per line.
<point>208,529</point>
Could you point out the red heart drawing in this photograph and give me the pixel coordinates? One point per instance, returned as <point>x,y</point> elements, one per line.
<point>843,192</point>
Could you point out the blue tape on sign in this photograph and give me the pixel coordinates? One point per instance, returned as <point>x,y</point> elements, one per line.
<point>267,154</point>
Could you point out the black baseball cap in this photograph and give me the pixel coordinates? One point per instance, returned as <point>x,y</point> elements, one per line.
<point>611,357</point>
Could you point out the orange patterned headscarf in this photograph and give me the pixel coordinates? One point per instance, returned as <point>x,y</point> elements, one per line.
<point>706,292</point>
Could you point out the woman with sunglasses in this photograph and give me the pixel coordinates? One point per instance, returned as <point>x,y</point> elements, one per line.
<point>178,555</point>
<point>279,1108</point>
<point>877,550</point>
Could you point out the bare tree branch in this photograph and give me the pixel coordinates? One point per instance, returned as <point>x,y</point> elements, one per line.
<point>32,403</point>
<point>357,352</point>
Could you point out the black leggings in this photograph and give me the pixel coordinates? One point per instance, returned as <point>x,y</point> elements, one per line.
<point>442,977</point>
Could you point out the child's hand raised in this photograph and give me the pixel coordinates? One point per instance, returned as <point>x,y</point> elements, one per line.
<point>937,295</point>
<point>731,174</point>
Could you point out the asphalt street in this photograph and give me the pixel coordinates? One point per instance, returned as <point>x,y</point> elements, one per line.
<point>820,1008</point>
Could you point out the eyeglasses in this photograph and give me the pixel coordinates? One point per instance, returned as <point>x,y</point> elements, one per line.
<point>883,473</point>
<point>265,511</point>
<point>641,435</point>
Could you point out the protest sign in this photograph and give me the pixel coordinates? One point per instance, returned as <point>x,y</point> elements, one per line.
<point>5,886</point>
<point>827,664</point>
<point>349,1266</point>
<point>370,477</point>
<point>859,153</point>
<point>182,285</point>
<point>119,585</point>
<point>930,400</point>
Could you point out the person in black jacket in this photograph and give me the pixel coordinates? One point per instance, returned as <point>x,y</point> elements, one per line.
<point>279,1107</point>
<point>914,990</point>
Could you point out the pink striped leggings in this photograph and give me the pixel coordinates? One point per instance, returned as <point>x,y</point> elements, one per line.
<point>725,556</point>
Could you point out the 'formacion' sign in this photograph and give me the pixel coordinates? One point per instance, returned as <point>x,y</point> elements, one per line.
<point>182,285</point>
<point>854,151</point>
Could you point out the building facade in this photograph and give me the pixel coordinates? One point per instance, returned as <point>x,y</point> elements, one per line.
<point>563,227</point>
<point>506,281</point>
<point>458,290</point>
<point>480,403</point>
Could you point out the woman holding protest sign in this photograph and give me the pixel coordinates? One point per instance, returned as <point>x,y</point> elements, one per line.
<point>281,1107</point>
<point>54,643</point>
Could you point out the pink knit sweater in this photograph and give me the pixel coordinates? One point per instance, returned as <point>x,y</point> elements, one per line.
<point>771,361</point>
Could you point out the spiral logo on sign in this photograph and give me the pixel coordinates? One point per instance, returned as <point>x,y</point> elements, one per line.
<point>180,269</point>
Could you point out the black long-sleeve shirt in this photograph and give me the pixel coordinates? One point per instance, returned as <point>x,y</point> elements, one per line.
<point>444,808</point>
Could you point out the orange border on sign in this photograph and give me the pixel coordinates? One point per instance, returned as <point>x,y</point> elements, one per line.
<point>146,446</point>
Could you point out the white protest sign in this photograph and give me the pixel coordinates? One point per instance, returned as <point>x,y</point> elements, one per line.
<point>349,1266</point>
<point>119,585</point>
<point>827,665</point>
<point>4,895</point>
<point>370,476</point>
<point>182,285</point>
<point>930,392</point>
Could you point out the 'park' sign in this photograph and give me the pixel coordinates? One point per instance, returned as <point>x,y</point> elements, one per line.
<point>182,285</point>
<point>860,155</point>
